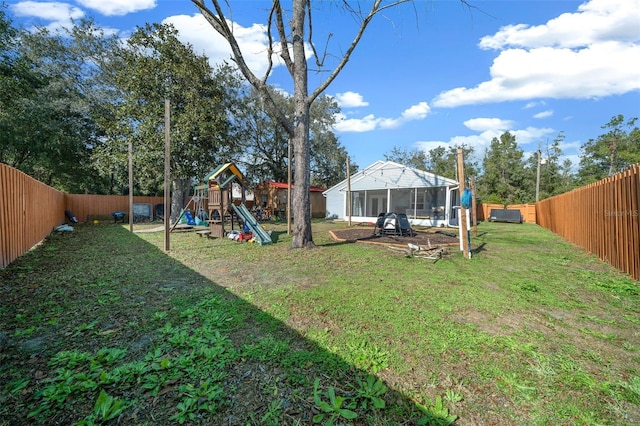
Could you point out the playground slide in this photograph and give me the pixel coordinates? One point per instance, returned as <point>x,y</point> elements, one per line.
<point>261,236</point>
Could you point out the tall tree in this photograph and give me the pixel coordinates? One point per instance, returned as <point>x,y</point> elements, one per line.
<point>414,158</point>
<point>53,105</point>
<point>265,143</point>
<point>444,162</point>
<point>328,157</point>
<point>555,176</point>
<point>504,173</point>
<point>19,81</point>
<point>612,152</point>
<point>157,66</point>
<point>290,36</point>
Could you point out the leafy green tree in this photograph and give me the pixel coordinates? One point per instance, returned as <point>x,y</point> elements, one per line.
<point>18,84</point>
<point>51,102</point>
<point>555,175</point>
<point>265,143</point>
<point>444,162</point>
<point>612,152</point>
<point>503,179</point>
<point>328,156</point>
<point>414,158</point>
<point>157,66</point>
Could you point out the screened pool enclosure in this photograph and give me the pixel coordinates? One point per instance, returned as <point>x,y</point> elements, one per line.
<point>388,187</point>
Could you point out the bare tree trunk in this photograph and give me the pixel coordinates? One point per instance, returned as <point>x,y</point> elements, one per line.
<point>178,198</point>
<point>298,128</point>
<point>302,235</point>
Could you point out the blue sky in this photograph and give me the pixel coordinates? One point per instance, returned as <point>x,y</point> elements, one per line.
<point>430,73</point>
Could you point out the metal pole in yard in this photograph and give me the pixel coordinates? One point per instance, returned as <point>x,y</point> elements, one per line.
<point>130,186</point>
<point>289,187</point>
<point>167,167</point>
<point>348,192</point>
<point>474,207</point>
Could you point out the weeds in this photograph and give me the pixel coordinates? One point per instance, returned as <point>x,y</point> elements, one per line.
<point>336,407</point>
<point>435,413</point>
<point>513,328</point>
<point>106,408</point>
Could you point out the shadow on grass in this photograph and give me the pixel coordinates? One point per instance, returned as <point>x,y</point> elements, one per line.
<point>479,249</point>
<point>100,313</point>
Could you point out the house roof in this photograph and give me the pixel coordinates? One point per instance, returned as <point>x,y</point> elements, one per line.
<point>283,185</point>
<point>391,175</point>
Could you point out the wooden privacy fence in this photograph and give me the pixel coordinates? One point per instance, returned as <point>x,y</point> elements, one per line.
<point>603,218</point>
<point>527,211</point>
<point>30,210</point>
<point>86,206</point>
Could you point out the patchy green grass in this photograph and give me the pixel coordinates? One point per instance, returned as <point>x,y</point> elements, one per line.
<point>100,326</point>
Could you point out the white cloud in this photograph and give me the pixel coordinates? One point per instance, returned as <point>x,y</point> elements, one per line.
<point>118,7</point>
<point>544,114</point>
<point>482,124</point>
<point>253,41</point>
<point>371,122</point>
<point>531,134</point>
<point>416,112</point>
<point>595,21</point>
<point>357,125</point>
<point>588,54</point>
<point>534,104</point>
<point>350,100</point>
<point>427,146</point>
<point>570,146</point>
<point>51,11</point>
<point>488,128</point>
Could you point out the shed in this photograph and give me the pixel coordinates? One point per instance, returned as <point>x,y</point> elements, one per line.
<point>272,196</point>
<point>388,187</point>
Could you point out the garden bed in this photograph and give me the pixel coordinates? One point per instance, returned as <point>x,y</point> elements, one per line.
<point>420,238</point>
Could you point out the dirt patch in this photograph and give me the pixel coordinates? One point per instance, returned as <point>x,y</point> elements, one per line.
<point>421,238</point>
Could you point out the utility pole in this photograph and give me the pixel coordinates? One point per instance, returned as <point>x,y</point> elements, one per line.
<point>540,161</point>
<point>538,176</point>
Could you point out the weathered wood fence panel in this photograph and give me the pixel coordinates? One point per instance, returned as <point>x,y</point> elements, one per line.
<point>603,218</point>
<point>29,210</point>
<point>527,211</point>
<point>85,206</point>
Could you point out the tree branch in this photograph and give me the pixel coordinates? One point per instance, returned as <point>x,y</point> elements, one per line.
<point>284,47</point>
<point>319,62</point>
<point>375,9</point>
<point>219,23</point>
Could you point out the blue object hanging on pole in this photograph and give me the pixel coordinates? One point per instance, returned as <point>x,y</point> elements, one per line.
<point>466,198</point>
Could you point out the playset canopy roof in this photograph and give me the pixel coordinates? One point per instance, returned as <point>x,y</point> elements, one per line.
<point>225,174</point>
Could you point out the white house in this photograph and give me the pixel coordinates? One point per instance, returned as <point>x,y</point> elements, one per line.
<point>387,187</point>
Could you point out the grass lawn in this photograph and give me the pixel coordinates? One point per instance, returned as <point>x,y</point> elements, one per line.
<point>100,326</point>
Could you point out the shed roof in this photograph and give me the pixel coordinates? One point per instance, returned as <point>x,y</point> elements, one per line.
<point>391,175</point>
